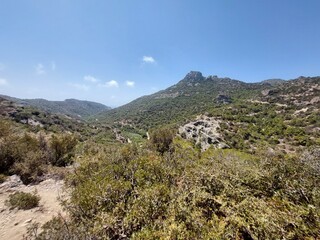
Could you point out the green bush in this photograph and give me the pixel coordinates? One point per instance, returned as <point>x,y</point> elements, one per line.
<point>161,139</point>
<point>22,200</point>
<point>9,153</point>
<point>62,149</point>
<point>32,167</point>
<point>5,128</point>
<point>135,193</point>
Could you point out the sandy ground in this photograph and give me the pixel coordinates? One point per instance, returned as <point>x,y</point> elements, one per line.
<point>14,222</point>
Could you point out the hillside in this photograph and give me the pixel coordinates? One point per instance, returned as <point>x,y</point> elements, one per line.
<point>193,95</point>
<point>224,160</point>
<point>32,119</point>
<point>70,107</point>
<point>281,114</point>
<point>196,95</point>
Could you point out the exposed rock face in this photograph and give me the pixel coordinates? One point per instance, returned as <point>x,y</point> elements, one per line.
<point>119,137</point>
<point>194,76</point>
<point>223,99</point>
<point>269,92</point>
<point>204,131</point>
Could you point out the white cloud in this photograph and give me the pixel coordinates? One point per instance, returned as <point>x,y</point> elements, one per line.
<point>82,87</point>
<point>40,70</point>
<point>3,82</point>
<point>112,83</point>
<point>130,83</point>
<point>148,59</point>
<point>53,66</point>
<point>89,78</point>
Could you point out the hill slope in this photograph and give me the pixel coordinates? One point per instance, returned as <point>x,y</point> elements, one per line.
<point>281,114</point>
<point>196,95</point>
<point>193,95</point>
<point>70,107</point>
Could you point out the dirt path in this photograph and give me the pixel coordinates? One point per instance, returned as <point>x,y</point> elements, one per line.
<point>14,223</point>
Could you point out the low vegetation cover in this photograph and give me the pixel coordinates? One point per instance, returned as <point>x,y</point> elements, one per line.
<point>249,125</point>
<point>29,155</point>
<point>135,178</point>
<point>22,200</point>
<point>182,193</point>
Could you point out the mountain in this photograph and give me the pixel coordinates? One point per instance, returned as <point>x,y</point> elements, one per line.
<point>284,115</point>
<point>35,119</point>
<point>70,107</point>
<point>194,94</point>
<point>230,160</point>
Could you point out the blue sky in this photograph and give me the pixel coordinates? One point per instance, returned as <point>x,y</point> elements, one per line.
<point>115,51</point>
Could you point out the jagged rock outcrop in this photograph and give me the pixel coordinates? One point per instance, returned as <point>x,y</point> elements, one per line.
<point>193,76</point>
<point>204,132</point>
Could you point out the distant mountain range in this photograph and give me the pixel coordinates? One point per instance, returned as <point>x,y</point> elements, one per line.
<point>70,107</point>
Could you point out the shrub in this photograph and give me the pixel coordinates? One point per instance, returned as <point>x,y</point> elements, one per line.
<point>22,200</point>
<point>161,139</point>
<point>9,154</point>
<point>219,194</point>
<point>32,167</point>
<point>62,149</point>
<point>5,128</point>
<point>2,178</point>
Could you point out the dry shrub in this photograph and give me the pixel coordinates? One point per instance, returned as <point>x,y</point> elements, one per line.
<point>22,200</point>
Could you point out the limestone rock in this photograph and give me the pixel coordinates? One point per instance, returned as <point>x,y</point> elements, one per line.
<point>204,132</point>
<point>12,182</point>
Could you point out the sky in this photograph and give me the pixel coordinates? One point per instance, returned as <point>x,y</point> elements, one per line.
<point>113,51</point>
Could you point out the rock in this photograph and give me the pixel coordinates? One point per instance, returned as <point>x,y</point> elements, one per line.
<point>119,137</point>
<point>315,100</point>
<point>12,182</point>
<point>204,132</point>
<point>194,76</point>
<point>28,221</point>
<point>223,99</point>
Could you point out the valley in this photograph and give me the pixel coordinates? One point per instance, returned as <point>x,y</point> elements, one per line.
<point>207,158</point>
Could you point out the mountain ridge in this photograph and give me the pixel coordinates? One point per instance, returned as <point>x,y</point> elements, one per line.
<point>71,107</point>
<point>194,87</point>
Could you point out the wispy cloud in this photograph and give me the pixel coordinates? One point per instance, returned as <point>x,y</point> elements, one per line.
<point>89,78</point>
<point>148,59</point>
<point>40,70</point>
<point>81,87</point>
<point>110,84</point>
<point>3,82</point>
<point>53,66</point>
<point>130,83</point>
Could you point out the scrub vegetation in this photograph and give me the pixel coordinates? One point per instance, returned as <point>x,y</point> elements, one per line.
<point>132,176</point>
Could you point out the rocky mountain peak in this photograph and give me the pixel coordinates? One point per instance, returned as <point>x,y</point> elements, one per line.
<point>194,76</point>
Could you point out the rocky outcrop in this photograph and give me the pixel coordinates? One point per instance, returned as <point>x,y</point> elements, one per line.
<point>118,136</point>
<point>194,76</point>
<point>223,99</point>
<point>204,132</point>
